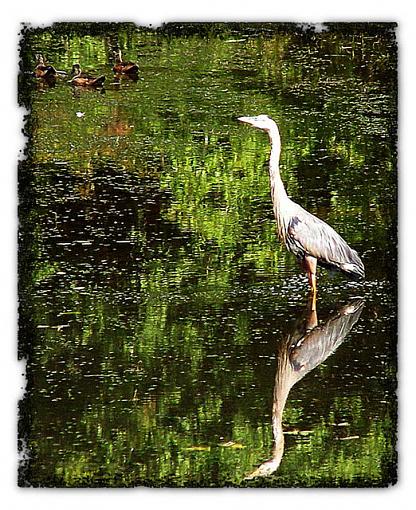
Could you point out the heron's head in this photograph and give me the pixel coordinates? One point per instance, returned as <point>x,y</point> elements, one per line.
<point>263,122</point>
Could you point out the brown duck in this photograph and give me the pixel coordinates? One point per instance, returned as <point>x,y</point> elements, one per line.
<point>82,80</point>
<point>42,70</point>
<point>121,67</point>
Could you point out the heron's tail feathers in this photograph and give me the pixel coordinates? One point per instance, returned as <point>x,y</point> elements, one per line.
<point>351,266</point>
<point>354,269</point>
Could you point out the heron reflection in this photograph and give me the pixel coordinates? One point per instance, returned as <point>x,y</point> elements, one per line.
<point>300,352</point>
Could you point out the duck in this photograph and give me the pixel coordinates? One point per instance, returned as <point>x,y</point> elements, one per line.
<point>121,67</point>
<point>82,80</point>
<point>42,70</point>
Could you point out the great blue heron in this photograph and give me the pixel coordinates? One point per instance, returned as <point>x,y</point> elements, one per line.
<point>310,239</point>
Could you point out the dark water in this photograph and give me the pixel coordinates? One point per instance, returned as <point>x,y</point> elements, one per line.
<point>163,322</point>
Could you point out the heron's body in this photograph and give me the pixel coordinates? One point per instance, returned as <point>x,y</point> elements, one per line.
<point>305,236</point>
<point>310,239</point>
<point>123,67</point>
<point>81,80</point>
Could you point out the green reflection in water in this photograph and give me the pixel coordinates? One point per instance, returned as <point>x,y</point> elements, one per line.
<point>153,289</point>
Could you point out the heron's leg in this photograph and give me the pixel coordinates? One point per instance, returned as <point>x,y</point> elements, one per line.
<point>312,281</point>
<point>309,264</point>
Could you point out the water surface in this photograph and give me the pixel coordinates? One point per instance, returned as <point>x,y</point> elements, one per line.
<point>155,298</point>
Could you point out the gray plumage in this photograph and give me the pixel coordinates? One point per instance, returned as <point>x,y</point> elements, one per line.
<point>308,235</point>
<point>310,239</point>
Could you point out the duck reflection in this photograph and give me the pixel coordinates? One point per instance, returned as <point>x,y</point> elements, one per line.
<point>47,82</point>
<point>300,352</point>
<point>119,78</point>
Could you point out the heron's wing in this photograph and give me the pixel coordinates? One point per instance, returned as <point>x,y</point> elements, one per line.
<point>308,235</point>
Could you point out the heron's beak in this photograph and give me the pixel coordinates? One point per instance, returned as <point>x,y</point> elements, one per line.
<point>246,120</point>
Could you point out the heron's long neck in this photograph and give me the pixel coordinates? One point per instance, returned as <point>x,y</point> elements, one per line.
<point>278,192</point>
<point>278,189</point>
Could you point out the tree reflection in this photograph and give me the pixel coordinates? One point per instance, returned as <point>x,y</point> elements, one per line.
<point>300,352</point>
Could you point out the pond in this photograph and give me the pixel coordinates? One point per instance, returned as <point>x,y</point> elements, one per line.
<point>167,331</point>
